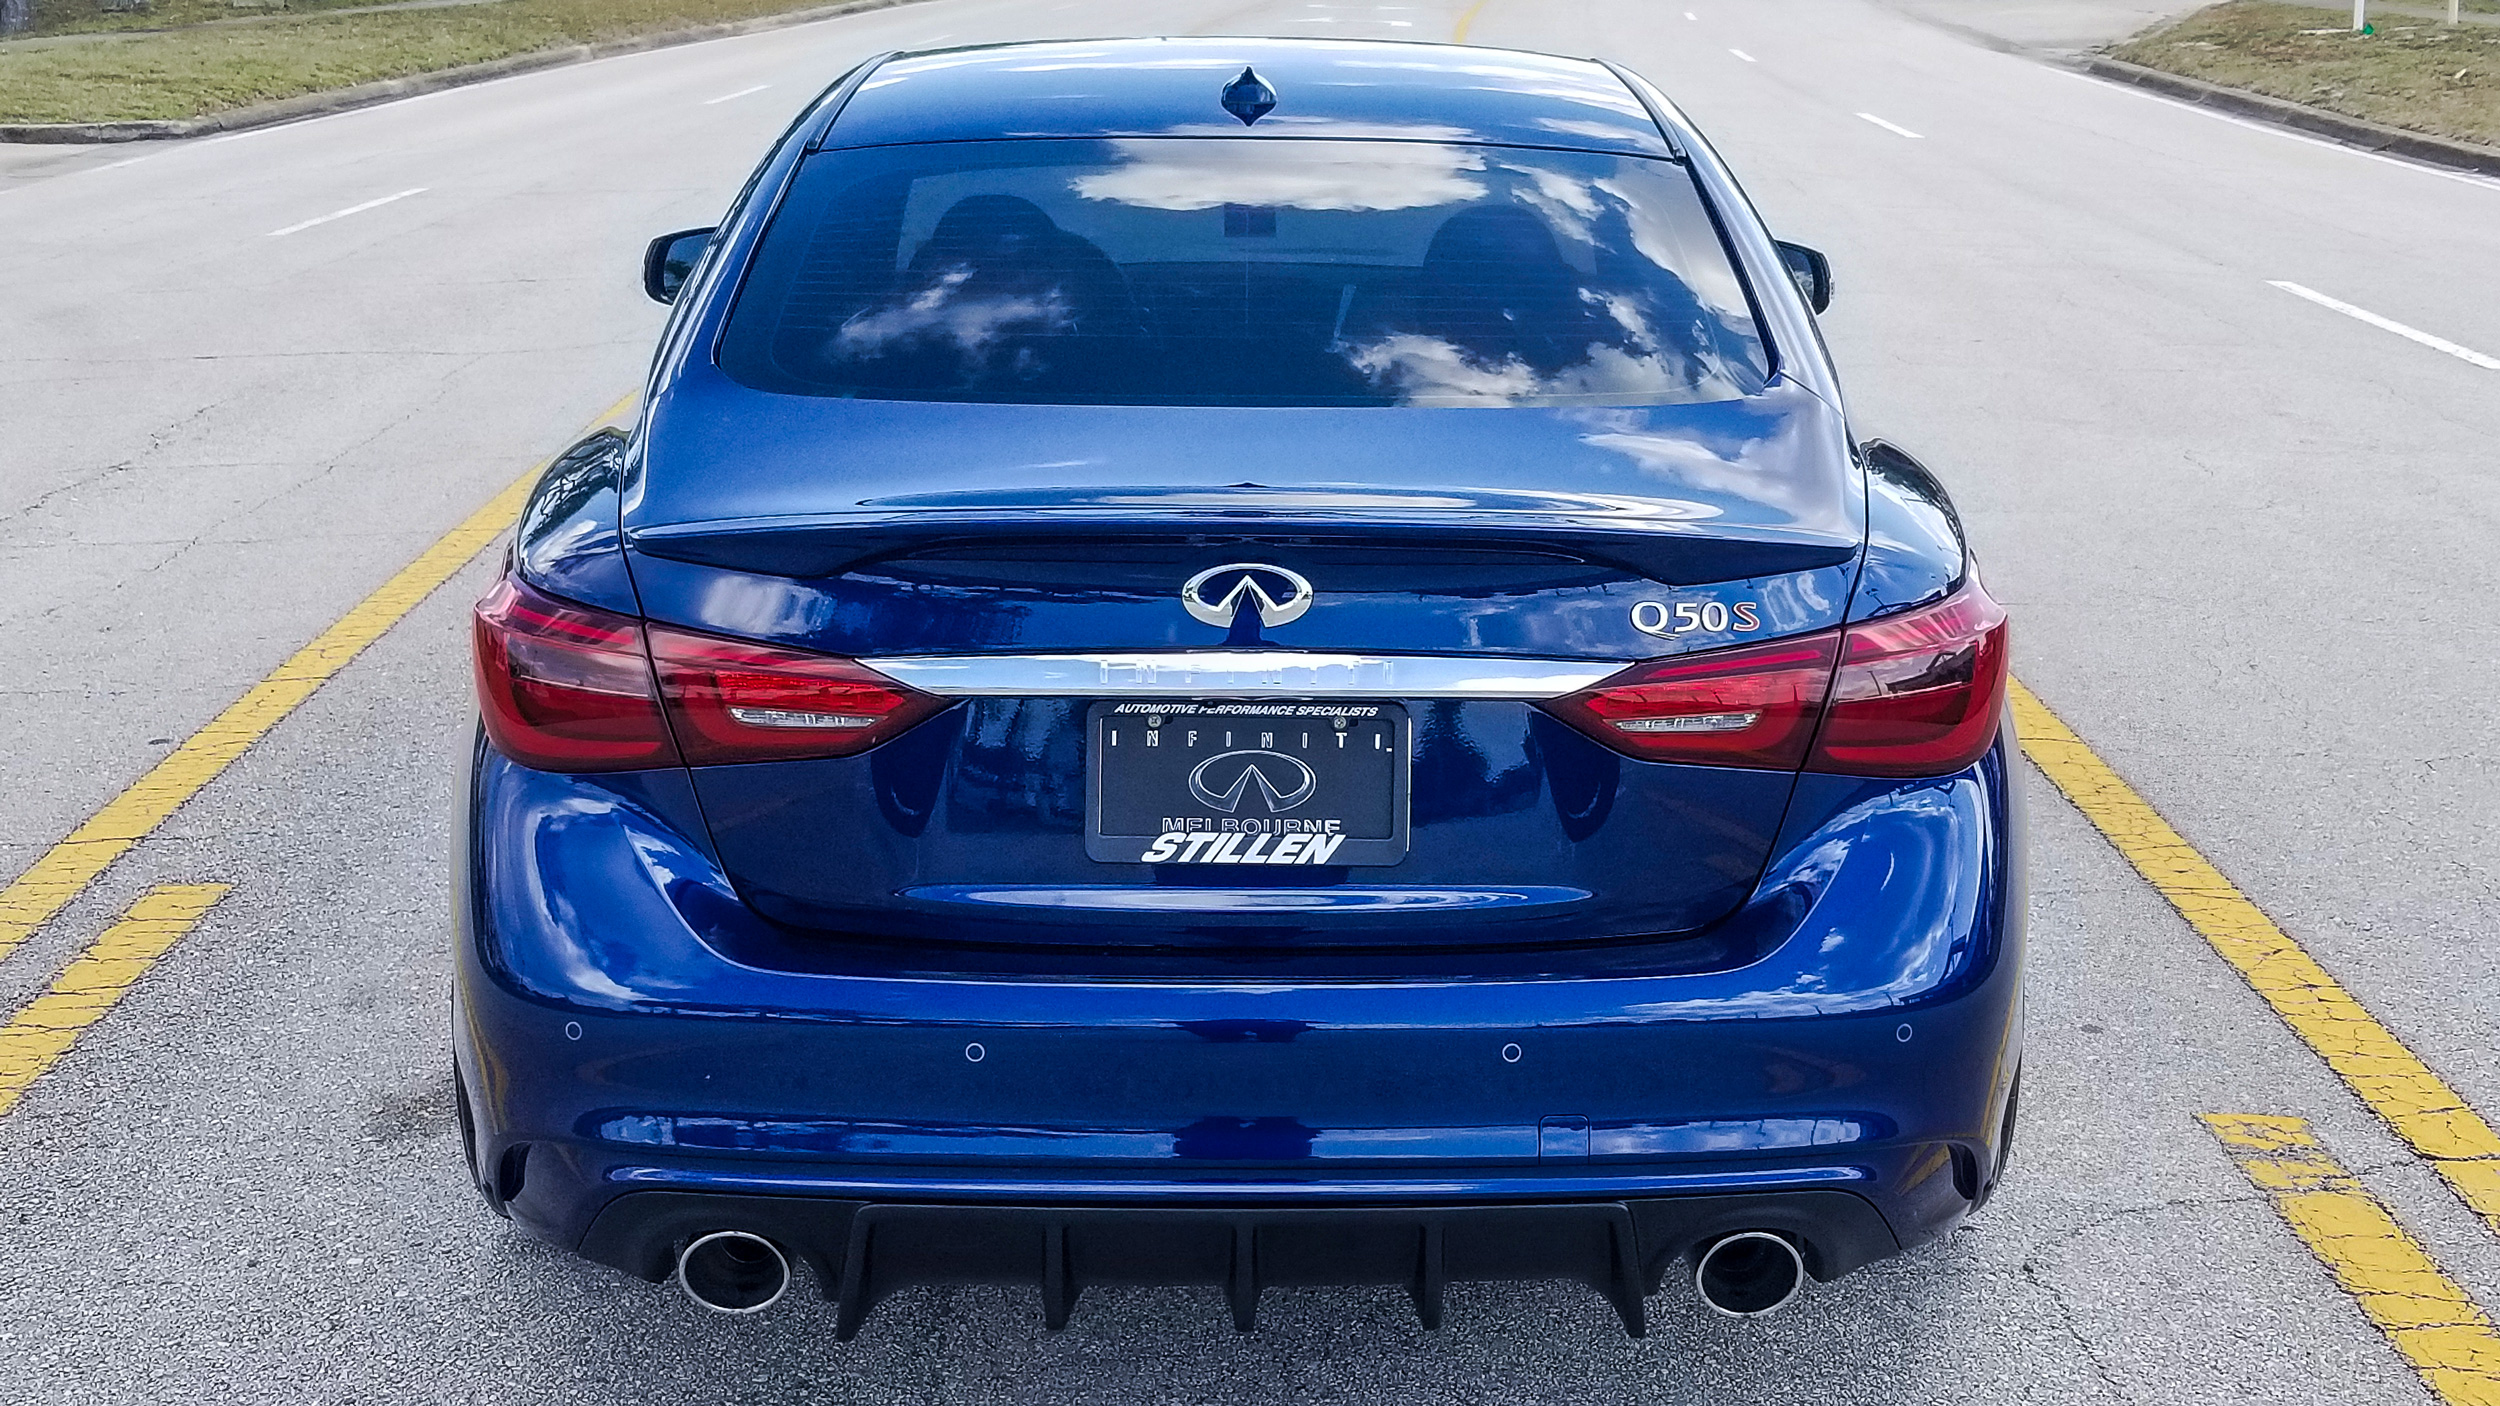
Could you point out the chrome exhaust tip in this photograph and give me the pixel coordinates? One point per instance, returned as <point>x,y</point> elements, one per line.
<point>731,1271</point>
<point>1750,1273</point>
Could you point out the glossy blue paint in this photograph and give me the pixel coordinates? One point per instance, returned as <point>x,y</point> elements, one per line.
<point>1173,87</point>
<point>1592,978</point>
<point>1914,550</point>
<point>1504,795</point>
<point>709,1033</point>
<point>568,542</point>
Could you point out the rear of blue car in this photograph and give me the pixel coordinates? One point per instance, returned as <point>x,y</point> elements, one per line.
<point>1188,697</point>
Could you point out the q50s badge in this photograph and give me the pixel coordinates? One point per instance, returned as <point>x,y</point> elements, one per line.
<point>1684,617</point>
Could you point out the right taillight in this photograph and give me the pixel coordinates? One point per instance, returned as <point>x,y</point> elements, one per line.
<point>1916,694</point>
<point>1752,706</point>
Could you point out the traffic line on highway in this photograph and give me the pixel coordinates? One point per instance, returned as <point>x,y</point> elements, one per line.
<point>65,870</point>
<point>343,214</point>
<point>732,97</point>
<point>1745,56</point>
<point>44,1028</point>
<point>2428,1318</point>
<point>1894,128</point>
<point>2389,324</point>
<point>2274,129</point>
<point>2432,1118</point>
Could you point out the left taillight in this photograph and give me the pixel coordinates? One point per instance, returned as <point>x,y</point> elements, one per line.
<point>733,701</point>
<point>565,687</point>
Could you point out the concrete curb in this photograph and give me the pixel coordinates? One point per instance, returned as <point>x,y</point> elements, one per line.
<point>389,89</point>
<point>2353,131</point>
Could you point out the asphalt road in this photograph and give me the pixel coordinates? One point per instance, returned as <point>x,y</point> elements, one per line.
<point>2248,539</point>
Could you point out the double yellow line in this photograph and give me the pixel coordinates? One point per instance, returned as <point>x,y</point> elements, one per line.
<point>43,1030</point>
<point>2462,1356</point>
<point>2425,1315</point>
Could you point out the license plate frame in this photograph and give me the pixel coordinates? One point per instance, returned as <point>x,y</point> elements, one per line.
<point>1357,809</point>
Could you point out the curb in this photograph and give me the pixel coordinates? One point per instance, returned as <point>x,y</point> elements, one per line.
<point>2352,131</point>
<point>389,89</point>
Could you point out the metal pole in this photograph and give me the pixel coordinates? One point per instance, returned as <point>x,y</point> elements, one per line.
<point>2360,15</point>
<point>2452,12</point>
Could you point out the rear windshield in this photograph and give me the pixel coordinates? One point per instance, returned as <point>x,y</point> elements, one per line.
<point>1184,271</point>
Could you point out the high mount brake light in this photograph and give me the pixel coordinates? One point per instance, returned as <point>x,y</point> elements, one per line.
<point>732,701</point>
<point>566,687</point>
<point>1916,694</point>
<point>1753,706</point>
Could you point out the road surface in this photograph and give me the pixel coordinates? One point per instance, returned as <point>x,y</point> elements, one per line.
<point>2208,394</point>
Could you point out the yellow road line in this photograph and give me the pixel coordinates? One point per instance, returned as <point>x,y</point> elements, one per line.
<point>2417,1104</point>
<point>67,868</point>
<point>44,1029</point>
<point>2423,1312</point>
<point>1467,21</point>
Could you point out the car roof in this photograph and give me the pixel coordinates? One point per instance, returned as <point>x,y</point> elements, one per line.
<point>1172,87</point>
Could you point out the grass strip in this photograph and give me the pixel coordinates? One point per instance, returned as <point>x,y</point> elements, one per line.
<point>177,74</point>
<point>2415,72</point>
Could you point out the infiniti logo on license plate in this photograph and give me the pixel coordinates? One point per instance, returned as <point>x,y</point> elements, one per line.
<point>1311,784</point>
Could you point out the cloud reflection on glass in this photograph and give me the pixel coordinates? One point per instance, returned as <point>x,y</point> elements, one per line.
<point>1349,176</point>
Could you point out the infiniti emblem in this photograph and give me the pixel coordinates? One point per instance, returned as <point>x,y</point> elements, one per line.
<point>1216,595</point>
<point>1226,779</point>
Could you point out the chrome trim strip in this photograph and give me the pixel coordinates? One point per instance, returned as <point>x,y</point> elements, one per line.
<point>1244,673</point>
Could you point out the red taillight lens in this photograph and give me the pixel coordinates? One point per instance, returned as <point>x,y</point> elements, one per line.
<point>564,687</point>
<point>737,702</point>
<point>1913,695</point>
<point>1753,706</point>
<point>1917,694</point>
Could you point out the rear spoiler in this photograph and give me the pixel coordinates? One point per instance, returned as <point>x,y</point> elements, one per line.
<point>1676,551</point>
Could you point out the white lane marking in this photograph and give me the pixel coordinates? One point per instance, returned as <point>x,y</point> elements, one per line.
<point>1745,56</point>
<point>125,161</point>
<point>2389,324</point>
<point>2272,130</point>
<point>350,210</point>
<point>1894,128</point>
<point>742,92</point>
<point>1690,15</point>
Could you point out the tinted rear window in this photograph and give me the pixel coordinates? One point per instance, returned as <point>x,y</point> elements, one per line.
<point>1182,271</point>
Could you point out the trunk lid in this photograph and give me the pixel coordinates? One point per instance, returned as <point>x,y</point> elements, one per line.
<point>1030,563</point>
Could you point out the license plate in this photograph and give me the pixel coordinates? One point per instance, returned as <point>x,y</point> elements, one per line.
<point>1313,784</point>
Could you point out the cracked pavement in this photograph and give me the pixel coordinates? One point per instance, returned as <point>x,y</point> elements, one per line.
<point>2246,541</point>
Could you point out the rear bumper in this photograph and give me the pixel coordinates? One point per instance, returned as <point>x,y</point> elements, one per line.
<point>863,1251</point>
<point>638,1077</point>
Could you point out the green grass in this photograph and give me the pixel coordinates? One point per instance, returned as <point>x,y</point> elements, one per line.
<point>90,17</point>
<point>193,72</point>
<point>2416,72</point>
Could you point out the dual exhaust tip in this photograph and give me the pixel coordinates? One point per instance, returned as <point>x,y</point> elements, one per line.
<point>1749,1274</point>
<point>1744,1275</point>
<point>731,1271</point>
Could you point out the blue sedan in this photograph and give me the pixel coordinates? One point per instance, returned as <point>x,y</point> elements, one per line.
<point>1239,662</point>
